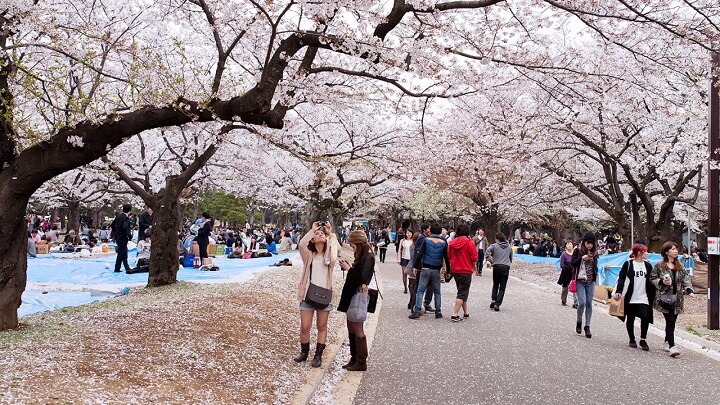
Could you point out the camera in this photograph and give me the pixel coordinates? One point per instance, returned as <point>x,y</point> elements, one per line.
<point>323,223</point>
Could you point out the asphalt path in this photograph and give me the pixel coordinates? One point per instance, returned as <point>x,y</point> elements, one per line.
<point>528,353</point>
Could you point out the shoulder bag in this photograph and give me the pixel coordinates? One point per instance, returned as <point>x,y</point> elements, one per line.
<point>358,309</point>
<point>317,296</point>
<point>667,300</point>
<point>373,295</point>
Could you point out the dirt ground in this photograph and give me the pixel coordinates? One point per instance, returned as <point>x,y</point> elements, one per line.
<point>186,343</point>
<point>694,320</point>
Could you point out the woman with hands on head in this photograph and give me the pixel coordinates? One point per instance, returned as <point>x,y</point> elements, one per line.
<point>318,249</point>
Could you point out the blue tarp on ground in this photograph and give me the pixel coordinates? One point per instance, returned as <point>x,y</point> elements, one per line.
<point>56,283</point>
<point>609,265</point>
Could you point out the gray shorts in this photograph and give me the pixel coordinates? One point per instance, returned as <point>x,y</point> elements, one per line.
<point>304,306</point>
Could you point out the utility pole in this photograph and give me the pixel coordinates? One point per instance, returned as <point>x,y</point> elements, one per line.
<point>713,314</point>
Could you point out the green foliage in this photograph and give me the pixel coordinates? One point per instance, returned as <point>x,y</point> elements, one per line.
<point>223,206</point>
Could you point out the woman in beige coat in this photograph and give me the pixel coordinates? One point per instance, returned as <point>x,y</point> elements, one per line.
<point>318,249</point>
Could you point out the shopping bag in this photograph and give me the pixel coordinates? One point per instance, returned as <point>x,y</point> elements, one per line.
<point>357,311</point>
<point>617,307</point>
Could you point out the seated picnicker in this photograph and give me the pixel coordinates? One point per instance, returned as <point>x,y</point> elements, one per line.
<point>73,239</point>
<point>143,255</point>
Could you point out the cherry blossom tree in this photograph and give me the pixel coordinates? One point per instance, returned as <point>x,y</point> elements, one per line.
<point>77,79</point>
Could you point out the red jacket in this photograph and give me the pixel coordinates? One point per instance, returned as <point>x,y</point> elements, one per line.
<point>463,255</point>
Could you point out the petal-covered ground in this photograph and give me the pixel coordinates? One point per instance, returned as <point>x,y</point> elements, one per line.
<point>186,343</point>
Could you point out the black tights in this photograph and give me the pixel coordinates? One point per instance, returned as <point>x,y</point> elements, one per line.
<point>356,328</point>
<point>670,320</point>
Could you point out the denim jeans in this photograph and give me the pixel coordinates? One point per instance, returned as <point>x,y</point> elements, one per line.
<point>428,278</point>
<point>585,292</point>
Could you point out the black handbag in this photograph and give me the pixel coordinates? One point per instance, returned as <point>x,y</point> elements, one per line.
<point>373,295</point>
<point>667,300</point>
<point>317,296</point>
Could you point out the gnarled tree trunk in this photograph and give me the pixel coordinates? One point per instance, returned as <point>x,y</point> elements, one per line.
<point>13,251</point>
<point>164,263</point>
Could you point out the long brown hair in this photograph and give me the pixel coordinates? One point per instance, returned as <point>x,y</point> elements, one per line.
<point>664,249</point>
<point>311,244</point>
<point>361,249</point>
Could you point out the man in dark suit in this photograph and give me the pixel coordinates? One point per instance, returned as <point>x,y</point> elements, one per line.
<point>121,233</point>
<point>146,220</point>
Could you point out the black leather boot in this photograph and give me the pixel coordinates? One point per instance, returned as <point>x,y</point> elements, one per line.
<point>353,351</point>
<point>304,350</point>
<point>317,359</point>
<point>578,328</point>
<point>587,332</point>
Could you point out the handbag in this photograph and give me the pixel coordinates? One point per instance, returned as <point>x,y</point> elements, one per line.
<point>381,244</point>
<point>667,300</point>
<point>358,309</point>
<point>373,295</point>
<point>317,296</point>
<point>572,287</point>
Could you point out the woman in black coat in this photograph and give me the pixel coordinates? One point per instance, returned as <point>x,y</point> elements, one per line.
<point>358,278</point>
<point>640,294</point>
<point>203,235</point>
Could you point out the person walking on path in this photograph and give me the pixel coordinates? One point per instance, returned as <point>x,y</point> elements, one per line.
<point>358,278</point>
<point>409,273</point>
<point>585,272</point>
<point>318,253</point>
<point>424,233</point>
<point>640,293</point>
<point>463,256</point>
<point>499,257</point>
<point>428,263</point>
<point>382,243</point>
<point>121,233</point>
<point>566,274</point>
<point>481,244</point>
<point>670,279</point>
<point>404,255</point>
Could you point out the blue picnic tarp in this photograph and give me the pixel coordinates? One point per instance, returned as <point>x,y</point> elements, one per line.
<point>55,283</point>
<point>609,265</point>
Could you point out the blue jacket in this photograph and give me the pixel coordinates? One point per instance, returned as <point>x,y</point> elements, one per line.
<point>432,253</point>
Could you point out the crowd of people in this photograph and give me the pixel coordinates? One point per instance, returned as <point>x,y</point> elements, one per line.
<point>432,255</point>
<point>195,237</point>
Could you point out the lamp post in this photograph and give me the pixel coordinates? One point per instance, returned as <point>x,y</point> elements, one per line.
<point>713,314</point>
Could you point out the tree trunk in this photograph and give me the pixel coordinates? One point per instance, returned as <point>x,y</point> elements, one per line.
<point>491,223</point>
<point>73,216</point>
<point>13,251</point>
<point>164,263</point>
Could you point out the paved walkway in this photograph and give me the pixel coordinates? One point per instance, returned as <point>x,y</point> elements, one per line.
<point>528,353</point>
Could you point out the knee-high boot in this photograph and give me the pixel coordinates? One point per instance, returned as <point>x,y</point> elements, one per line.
<point>353,351</point>
<point>317,359</point>
<point>361,357</point>
<point>304,350</point>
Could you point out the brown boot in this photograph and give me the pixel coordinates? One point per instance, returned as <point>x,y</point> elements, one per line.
<point>304,350</point>
<point>362,353</point>
<point>317,359</point>
<point>353,351</point>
